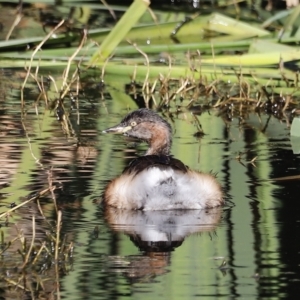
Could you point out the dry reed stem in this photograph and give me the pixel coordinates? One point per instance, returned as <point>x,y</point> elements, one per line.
<point>16,284</point>
<point>287,101</point>
<point>104,66</point>
<point>58,227</point>
<point>133,78</point>
<point>38,47</point>
<point>40,208</point>
<point>153,91</point>
<point>44,92</point>
<point>50,183</point>
<point>293,177</point>
<point>109,9</point>
<point>31,245</point>
<point>84,37</point>
<point>54,83</point>
<point>147,64</point>
<point>38,253</point>
<point>30,147</point>
<point>41,88</point>
<point>14,24</point>
<point>68,87</point>
<point>213,57</point>
<point>42,193</point>
<point>77,94</point>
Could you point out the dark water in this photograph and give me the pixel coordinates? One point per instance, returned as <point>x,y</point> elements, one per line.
<point>247,250</point>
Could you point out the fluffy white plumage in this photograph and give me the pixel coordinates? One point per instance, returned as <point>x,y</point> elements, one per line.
<point>157,189</point>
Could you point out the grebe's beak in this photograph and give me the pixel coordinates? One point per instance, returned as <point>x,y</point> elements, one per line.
<point>121,129</point>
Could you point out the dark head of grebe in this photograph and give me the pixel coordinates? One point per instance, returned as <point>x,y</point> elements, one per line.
<point>157,181</point>
<point>146,125</point>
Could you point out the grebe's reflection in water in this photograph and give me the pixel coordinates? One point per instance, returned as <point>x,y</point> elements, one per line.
<point>157,233</point>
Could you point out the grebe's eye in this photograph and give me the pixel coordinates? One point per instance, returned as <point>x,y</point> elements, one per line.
<point>133,123</point>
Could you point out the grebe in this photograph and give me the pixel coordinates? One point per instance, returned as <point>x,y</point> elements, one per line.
<point>157,181</point>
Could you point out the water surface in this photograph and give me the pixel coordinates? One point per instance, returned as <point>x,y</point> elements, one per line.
<point>248,249</point>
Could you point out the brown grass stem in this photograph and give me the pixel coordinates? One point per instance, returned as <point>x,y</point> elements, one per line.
<point>39,253</point>
<point>39,46</point>
<point>31,244</point>
<point>17,20</point>
<point>71,58</point>
<point>42,193</point>
<point>58,227</point>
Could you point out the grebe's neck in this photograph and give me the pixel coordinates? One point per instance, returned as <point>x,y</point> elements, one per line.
<point>161,139</point>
